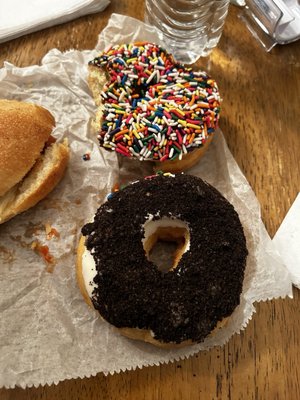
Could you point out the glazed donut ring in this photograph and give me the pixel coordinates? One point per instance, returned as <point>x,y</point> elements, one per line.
<point>152,108</point>
<point>185,304</point>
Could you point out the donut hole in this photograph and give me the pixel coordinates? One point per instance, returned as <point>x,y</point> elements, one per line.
<point>165,241</point>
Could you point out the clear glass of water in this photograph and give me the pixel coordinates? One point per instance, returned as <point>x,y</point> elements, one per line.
<point>190,28</point>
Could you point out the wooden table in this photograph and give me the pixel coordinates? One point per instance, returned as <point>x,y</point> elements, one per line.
<point>260,121</point>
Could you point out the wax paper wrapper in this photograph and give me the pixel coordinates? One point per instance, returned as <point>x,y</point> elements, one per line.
<point>47,332</point>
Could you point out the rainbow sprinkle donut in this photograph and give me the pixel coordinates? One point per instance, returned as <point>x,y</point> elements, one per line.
<point>152,107</point>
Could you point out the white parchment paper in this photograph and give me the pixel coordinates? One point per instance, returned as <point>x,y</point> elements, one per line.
<point>47,332</point>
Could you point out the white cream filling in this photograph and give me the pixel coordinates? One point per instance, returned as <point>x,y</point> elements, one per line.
<point>88,271</point>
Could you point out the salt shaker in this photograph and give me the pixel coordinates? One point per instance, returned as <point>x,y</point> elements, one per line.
<point>190,28</point>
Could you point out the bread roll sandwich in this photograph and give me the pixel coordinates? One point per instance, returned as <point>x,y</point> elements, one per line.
<point>31,161</point>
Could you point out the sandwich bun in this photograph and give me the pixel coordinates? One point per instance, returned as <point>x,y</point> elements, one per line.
<point>31,161</point>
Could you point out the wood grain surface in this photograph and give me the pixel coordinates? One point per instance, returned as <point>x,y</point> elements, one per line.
<point>260,120</point>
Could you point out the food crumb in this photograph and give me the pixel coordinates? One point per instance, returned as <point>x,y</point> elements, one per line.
<point>51,232</point>
<point>43,251</point>
<point>86,157</point>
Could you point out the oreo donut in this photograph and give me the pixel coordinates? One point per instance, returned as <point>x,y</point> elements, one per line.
<point>151,107</point>
<point>180,305</point>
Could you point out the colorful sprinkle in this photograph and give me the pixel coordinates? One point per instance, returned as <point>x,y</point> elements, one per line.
<point>154,108</point>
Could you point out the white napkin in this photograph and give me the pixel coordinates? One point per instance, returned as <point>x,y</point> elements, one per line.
<point>19,17</point>
<point>287,240</point>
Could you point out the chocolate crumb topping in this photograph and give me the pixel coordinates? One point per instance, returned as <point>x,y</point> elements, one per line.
<point>188,301</point>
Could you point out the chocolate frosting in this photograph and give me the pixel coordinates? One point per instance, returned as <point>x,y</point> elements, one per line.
<point>205,287</point>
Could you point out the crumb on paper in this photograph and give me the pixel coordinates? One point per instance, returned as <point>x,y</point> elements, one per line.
<point>86,157</point>
<point>51,232</point>
<point>116,187</point>
<point>43,251</point>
